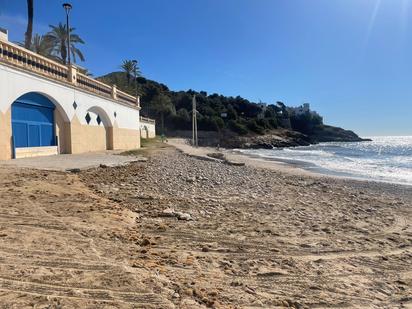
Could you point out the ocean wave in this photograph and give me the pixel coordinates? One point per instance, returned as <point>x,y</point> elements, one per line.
<point>303,152</point>
<point>384,159</point>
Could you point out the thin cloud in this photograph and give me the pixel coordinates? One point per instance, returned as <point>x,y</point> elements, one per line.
<point>372,21</point>
<point>16,20</point>
<point>17,24</point>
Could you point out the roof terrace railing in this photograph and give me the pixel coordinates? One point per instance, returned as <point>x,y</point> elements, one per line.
<point>127,97</point>
<point>27,60</point>
<point>87,83</point>
<point>147,120</point>
<point>18,56</point>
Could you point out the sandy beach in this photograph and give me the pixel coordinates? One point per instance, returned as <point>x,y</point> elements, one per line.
<point>179,231</point>
<point>297,195</point>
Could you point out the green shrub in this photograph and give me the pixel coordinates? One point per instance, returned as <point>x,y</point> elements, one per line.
<point>273,122</point>
<point>237,127</point>
<point>253,126</point>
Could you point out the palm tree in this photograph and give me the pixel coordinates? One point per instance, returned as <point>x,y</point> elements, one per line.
<point>130,67</point>
<point>162,105</point>
<point>136,70</point>
<point>58,39</point>
<point>86,72</point>
<point>41,45</point>
<point>29,31</point>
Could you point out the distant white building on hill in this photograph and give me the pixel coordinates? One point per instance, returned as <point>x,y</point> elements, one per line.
<point>301,110</point>
<point>263,107</point>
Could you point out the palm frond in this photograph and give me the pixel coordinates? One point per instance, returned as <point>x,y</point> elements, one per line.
<point>58,38</point>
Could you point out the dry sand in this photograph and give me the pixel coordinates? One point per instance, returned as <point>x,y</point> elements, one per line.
<point>179,232</point>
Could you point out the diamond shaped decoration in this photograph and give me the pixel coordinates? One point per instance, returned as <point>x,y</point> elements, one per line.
<point>88,118</point>
<point>115,114</point>
<point>99,121</point>
<point>74,105</point>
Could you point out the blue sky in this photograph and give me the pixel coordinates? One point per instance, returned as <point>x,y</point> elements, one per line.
<point>351,59</point>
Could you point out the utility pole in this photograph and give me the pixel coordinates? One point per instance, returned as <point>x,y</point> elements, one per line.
<point>194,122</point>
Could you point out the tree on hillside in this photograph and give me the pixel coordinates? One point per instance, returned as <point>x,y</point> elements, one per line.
<point>306,122</point>
<point>162,105</point>
<point>283,109</point>
<point>130,68</point>
<point>216,112</point>
<point>136,70</point>
<point>231,112</point>
<point>29,31</point>
<point>58,39</point>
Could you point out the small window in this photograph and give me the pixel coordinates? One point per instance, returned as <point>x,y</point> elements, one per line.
<point>88,118</point>
<point>99,121</point>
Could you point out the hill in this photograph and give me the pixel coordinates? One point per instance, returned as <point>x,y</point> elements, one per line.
<point>228,121</point>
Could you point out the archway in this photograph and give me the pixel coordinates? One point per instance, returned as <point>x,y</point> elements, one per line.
<point>146,132</point>
<point>100,131</point>
<point>38,126</point>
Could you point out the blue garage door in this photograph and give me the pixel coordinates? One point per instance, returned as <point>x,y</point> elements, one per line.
<point>32,117</point>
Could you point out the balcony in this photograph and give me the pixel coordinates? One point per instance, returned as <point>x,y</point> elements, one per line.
<point>18,57</point>
<point>147,120</point>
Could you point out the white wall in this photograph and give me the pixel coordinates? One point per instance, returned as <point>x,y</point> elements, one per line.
<point>150,127</point>
<point>15,83</point>
<point>4,34</point>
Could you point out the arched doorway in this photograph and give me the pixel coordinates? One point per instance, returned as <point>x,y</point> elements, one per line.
<point>146,132</point>
<point>99,129</point>
<point>33,126</point>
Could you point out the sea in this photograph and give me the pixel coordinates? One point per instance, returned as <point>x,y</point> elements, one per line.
<point>384,159</point>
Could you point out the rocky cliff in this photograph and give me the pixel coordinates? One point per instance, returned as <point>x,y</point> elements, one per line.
<point>272,139</point>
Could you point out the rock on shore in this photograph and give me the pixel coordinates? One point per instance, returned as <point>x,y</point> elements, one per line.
<point>334,134</point>
<point>279,138</point>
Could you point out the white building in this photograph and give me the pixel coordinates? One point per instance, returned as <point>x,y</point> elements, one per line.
<point>301,110</point>
<point>49,108</point>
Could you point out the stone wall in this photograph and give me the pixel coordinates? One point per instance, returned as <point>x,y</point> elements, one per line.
<point>125,138</point>
<point>5,135</point>
<point>86,138</point>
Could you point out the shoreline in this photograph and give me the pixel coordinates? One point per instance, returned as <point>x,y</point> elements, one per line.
<point>318,171</point>
<point>291,167</point>
<point>257,237</point>
<point>188,231</point>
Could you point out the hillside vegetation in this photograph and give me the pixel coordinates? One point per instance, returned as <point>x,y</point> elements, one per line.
<point>226,116</point>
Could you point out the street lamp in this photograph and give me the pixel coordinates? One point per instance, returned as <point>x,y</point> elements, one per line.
<point>68,7</point>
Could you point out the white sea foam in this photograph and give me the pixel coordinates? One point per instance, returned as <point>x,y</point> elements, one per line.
<point>387,159</point>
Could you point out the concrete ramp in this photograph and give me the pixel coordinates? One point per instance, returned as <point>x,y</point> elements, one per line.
<point>67,162</point>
